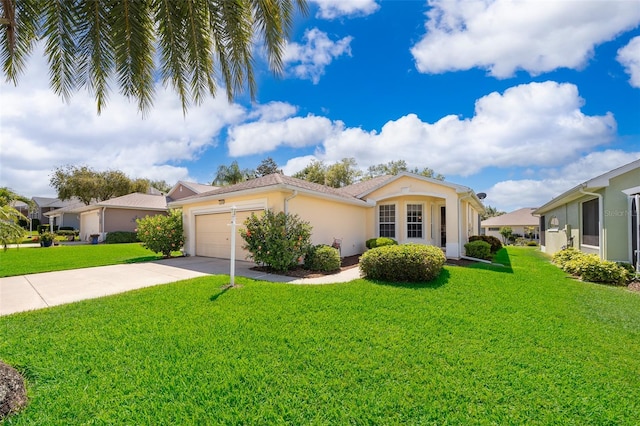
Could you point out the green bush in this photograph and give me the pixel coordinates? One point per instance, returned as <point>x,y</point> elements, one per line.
<point>563,256</point>
<point>532,244</point>
<point>478,249</point>
<point>66,228</point>
<point>380,242</point>
<point>120,237</point>
<point>277,240</point>
<point>589,267</point>
<point>402,263</point>
<point>162,234</point>
<point>322,258</point>
<point>495,243</point>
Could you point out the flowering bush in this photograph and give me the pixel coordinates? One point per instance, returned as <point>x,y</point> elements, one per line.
<point>162,234</point>
<point>277,240</point>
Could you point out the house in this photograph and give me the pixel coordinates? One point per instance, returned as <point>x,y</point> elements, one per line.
<point>522,222</point>
<point>44,205</point>
<point>406,207</point>
<point>598,216</point>
<point>118,214</point>
<point>183,189</point>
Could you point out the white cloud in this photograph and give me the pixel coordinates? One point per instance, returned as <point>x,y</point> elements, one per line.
<point>308,61</point>
<point>513,194</point>
<point>528,125</point>
<point>294,165</point>
<point>331,9</point>
<point>40,132</point>
<point>273,111</point>
<point>504,36</point>
<point>629,57</point>
<point>264,136</point>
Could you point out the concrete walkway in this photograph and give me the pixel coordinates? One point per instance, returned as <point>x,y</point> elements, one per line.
<point>37,291</point>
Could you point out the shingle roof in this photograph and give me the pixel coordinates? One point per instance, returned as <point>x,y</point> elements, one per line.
<point>520,217</point>
<point>137,200</point>
<point>365,186</point>
<point>274,179</point>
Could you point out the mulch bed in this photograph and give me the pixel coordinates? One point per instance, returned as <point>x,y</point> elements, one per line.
<point>634,286</point>
<point>299,272</point>
<point>13,395</point>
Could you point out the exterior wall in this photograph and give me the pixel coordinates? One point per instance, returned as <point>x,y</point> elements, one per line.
<point>556,236</point>
<point>89,224</point>
<point>182,192</point>
<point>331,219</point>
<point>617,217</point>
<point>125,219</point>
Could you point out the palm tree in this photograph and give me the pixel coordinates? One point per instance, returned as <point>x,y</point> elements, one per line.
<point>91,43</point>
<point>230,175</point>
<point>10,230</point>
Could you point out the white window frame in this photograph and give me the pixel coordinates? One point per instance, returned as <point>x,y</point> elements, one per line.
<point>421,223</point>
<point>395,222</point>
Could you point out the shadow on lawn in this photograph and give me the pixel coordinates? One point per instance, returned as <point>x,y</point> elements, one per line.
<point>442,279</point>
<point>501,263</point>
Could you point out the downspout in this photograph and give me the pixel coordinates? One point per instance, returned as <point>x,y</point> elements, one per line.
<point>102,227</point>
<point>460,223</point>
<point>286,202</point>
<point>600,221</point>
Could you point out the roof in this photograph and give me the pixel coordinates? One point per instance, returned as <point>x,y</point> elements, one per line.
<point>134,201</point>
<point>590,185</point>
<point>198,188</point>
<point>275,180</point>
<point>43,202</point>
<point>366,186</point>
<point>520,217</point>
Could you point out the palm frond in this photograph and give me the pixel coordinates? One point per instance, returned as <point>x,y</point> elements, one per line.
<point>59,25</point>
<point>19,34</point>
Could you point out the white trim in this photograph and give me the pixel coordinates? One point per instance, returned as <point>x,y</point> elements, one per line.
<point>404,194</point>
<point>422,204</point>
<point>396,211</point>
<point>632,191</point>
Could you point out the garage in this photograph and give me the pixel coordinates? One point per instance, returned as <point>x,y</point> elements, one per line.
<point>213,234</point>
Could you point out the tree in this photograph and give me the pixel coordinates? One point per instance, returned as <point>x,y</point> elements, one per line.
<point>506,233</point>
<point>87,184</point>
<point>267,167</point>
<point>315,172</point>
<point>162,234</point>
<point>10,217</point>
<point>342,173</point>
<point>490,211</point>
<point>94,44</point>
<point>230,175</point>
<point>395,167</point>
<point>161,185</point>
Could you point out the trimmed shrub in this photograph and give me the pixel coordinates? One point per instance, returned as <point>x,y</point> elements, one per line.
<point>603,271</point>
<point>120,237</point>
<point>380,242</point>
<point>277,240</point>
<point>402,263</point>
<point>322,258</point>
<point>563,256</point>
<point>162,234</point>
<point>66,228</point>
<point>532,244</point>
<point>478,249</point>
<point>495,243</point>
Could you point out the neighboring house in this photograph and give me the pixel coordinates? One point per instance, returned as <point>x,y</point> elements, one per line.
<point>521,222</point>
<point>46,204</point>
<point>117,214</point>
<point>598,216</point>
<point>184,189</point>
<point>66,216</point>
<point>406,207</point>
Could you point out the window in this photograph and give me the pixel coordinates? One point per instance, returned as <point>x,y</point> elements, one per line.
<point>543,228</point>
<point>387,221</point>
<point>590,225</point>
<point>494,229</point>
<point>414,220</point>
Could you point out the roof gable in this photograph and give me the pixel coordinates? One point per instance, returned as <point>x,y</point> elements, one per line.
<point>520,217</point>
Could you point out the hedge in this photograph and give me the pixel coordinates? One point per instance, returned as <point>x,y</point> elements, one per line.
<point>402,263</point>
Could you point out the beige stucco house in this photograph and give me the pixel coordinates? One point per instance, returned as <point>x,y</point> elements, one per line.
<point>406,207</point>
<point>598,216</point>
<point>521,222</point>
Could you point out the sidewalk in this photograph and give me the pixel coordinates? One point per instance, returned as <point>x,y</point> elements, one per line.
<point>37,291</point>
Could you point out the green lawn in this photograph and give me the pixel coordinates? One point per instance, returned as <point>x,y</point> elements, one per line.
<point>30,260</point>
<point>522,344</point>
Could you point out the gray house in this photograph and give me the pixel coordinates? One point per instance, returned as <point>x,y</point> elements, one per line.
<point>598,216</point>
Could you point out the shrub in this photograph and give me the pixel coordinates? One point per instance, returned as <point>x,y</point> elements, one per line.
<point>478,249</point>
<point>43,228</point>
<point>322,258</point>
<point>495,243</point>
<point>277,240</point>
<point>119,237</point>
<point>603,271</point>
<point>532,244</point>
<point>66,228</point>
<point>406,262</point>
<point>563,256</point>
<point>162,234</point>
<point>380,242</point>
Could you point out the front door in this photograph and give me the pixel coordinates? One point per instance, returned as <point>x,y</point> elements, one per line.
<point>443,226</point>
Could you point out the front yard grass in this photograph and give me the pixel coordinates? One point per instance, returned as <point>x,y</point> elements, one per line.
<point>520,344</point>
<point>30,260</point>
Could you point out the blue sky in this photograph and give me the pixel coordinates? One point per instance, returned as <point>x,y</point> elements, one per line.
<point>521,100</point>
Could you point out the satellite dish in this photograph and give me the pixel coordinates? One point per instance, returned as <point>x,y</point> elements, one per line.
<point>481,195</point>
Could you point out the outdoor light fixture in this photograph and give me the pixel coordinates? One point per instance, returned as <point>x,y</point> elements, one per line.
<point>220,202</point>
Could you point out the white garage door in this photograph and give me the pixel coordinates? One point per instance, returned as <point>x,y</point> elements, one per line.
<point>213,235</point>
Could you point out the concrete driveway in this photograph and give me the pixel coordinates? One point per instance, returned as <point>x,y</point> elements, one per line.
<point>37,291</point>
